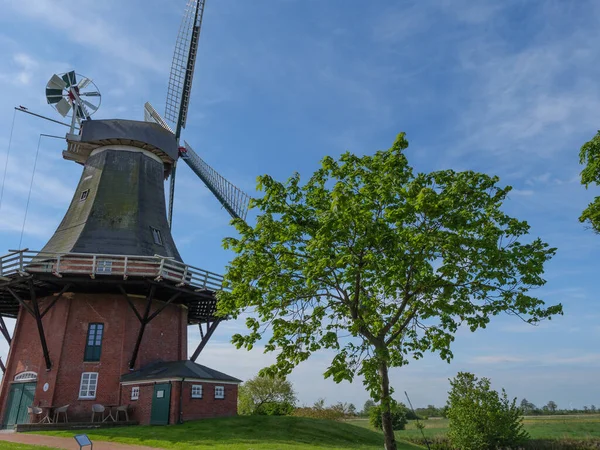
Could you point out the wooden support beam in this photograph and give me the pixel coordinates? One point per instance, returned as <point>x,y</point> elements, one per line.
<point>40,326</point>
<point>56,298</point>
<point>34,310</point>
<point>2,366</point>
<point>167,303</point>
<point>131,305</point>
<point>205,337</point>
<point>144,322</point>
<point>20,300</point>
<point>4,331</point>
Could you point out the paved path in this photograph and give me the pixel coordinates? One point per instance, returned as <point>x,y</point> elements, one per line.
<point>65,443</point>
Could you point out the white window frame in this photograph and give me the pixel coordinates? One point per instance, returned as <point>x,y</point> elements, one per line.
<point>221,389</point>
<point>90,377</point>
<point>135,393</point>
<point>196,387</point>
<point>84,195</point>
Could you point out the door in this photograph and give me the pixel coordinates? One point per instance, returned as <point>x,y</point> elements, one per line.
<point>20,397</point>
<point>161,401</point>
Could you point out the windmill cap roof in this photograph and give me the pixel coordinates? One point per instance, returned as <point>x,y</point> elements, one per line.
<point>177,369</point>
<point>111,131</point>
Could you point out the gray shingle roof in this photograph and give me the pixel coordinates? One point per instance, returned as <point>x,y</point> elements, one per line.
<point>177,369</point>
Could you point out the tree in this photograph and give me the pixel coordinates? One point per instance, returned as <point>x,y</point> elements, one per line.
<point>351,409</point>
<point>398,413</point>
<point>527,407</point>
<point>367,407</point>
<point>552,406</point>
<point>266,396</point>
<point>590,156</point>
<point>379,265</point>
<point>480,418</point>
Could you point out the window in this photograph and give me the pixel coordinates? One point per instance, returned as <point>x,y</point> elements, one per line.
<point>156,236</point>
<point>89,382</point>
<point>26,376</point>
<point>135,393</point>
<point>197,391</point>
<point>104,266</point>
<point>84,195</point>
<point>93,345</point>
<point>219,392</point>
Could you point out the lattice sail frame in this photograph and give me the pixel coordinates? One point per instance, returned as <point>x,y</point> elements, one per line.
<point>182,68</point>
<point>233,199</point>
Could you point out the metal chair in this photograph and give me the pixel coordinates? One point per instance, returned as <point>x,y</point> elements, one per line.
<point>122,409</point>
<point>61,410</point>
<point>34,411</point>
<point>97,408</point>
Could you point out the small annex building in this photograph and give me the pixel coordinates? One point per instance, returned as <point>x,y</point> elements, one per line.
<point>177,391</point>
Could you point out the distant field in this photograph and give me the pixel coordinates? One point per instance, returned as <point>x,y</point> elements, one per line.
<point>539,427</point>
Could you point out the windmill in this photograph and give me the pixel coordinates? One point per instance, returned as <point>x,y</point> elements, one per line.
<point>103,309</point>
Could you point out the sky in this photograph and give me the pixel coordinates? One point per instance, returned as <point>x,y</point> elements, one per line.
<point>508,88</point>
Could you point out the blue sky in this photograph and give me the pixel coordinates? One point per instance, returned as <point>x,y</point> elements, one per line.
<point>509,88</point>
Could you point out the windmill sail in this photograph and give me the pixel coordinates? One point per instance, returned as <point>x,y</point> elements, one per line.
<point>233,199</point>
<point>151,115</point>
<point>182,68</point>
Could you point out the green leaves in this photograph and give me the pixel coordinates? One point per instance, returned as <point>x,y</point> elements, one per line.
<point>480,418</point>
<point>379,264</point>
<point>590,156</point>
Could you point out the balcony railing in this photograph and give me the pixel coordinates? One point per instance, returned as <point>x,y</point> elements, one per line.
<point>100,265</point>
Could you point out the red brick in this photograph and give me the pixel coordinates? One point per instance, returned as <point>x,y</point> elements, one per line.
<point>66,326</point>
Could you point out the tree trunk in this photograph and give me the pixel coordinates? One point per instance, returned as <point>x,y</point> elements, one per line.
<point>386,411</point>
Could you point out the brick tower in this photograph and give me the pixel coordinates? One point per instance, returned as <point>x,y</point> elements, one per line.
<point>102,311</point>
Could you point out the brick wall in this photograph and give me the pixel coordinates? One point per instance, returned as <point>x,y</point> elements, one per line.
<point>193,409</point>
<point>208,405</point>
<point>66,326</point>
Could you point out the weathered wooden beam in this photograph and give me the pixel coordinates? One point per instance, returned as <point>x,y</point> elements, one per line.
<point>56,298</point>
<point>167,303</point>
<point>205,338</point>
<point>40,326</point>
<point>4,331</point>
<point>131,305</point>
<point>20,300</point>
<point>143,324</point>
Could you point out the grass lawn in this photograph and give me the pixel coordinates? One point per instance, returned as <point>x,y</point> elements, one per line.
<point>4,445</point>
<point>247,433</point>
<point>539,427</point>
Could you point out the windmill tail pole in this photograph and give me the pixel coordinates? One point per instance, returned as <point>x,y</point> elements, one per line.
<point>417,418</point>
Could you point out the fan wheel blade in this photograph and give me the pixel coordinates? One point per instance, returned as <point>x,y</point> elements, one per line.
<point>70,78</point>
<point>53,95</point>
<point>63,107</point>
<point>83,83</point>
<point>56,82</point>
<point>92,107</point>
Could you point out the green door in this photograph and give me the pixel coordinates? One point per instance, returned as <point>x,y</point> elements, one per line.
<point>161,401</point>
<point>20,397</point>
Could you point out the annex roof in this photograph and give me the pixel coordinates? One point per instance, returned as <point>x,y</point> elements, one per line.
<point>177,369</point>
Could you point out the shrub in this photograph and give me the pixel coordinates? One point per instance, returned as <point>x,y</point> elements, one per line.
<point>399,420</point>
<point>481,419</point>
<point>274,409</point>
